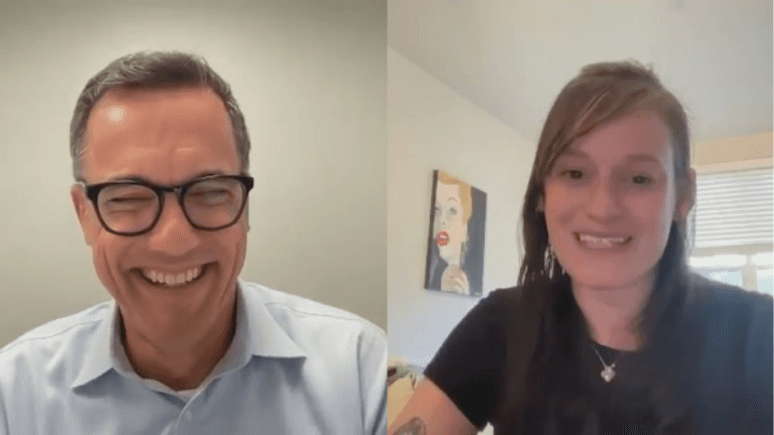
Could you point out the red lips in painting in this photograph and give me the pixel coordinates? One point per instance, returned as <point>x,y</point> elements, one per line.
<point>442,239</point>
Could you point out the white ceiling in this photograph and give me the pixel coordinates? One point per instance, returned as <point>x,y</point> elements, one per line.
<point>513,57</point>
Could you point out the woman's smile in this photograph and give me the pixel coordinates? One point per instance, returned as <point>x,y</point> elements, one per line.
<point>606,243</point>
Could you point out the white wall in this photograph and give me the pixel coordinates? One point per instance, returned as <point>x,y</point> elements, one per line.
<point>733,153</point>
<point>310,77</point>
<point>432,127</point>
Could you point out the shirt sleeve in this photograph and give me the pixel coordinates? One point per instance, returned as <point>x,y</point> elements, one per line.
<point>470,364</point>
<point>373,380</point>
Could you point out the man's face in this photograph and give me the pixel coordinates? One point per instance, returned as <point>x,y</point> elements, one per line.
<point>610,201</point>
<point>167,137</point>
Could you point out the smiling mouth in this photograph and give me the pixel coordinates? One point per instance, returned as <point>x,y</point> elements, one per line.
<point>442,239</point>
<point>205,270</point>
<point>598,242</point>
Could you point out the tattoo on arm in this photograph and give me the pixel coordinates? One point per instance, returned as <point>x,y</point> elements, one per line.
<point>415,426</point>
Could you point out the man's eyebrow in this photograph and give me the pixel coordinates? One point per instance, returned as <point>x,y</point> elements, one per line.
<point>140,178</point>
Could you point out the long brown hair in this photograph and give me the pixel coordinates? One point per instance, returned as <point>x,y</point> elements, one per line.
<point>601,93</point>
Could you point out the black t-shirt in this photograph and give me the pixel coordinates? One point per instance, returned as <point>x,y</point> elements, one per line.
<point>470,367</point>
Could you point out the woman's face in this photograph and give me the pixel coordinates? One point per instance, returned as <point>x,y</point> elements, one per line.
<point>448,228</point>
<point>610,200</point>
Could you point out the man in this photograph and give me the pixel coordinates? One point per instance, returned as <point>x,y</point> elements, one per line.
<point>160,155</point>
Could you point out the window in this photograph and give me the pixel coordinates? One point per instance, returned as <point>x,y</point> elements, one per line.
<point>748,271</point>
<point>764,281</point>
<point>733,228</point>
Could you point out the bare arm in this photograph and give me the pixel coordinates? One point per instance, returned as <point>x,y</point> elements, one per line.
<point>431,412</point>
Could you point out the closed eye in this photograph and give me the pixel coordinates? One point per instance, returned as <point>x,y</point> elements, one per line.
<point>124,200</point>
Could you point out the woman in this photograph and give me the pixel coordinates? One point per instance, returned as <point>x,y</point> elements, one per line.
<point>453,208</point>
<point>607,332</point>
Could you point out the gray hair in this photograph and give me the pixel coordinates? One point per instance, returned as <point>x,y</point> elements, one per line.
<point>155,70</point>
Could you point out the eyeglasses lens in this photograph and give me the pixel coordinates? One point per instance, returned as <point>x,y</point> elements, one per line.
<point>130,208</point>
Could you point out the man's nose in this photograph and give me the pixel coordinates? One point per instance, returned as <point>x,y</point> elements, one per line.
<point>173,234</point>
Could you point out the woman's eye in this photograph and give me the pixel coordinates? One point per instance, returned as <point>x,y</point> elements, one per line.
<point>642,180</point>
<point>573,174</point>
<point>452,211</point>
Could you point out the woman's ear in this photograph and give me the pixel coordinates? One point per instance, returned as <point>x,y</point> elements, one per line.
<point>686,195</point>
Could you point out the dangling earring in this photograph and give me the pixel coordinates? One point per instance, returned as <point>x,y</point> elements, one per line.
<point>550,256</point>
<point>551,261</point>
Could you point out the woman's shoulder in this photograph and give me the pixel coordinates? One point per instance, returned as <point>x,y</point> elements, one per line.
<point>488,321</point>
<point>737,342</point>
<point>501,301</point>
<point>502,295</point>
<point>513,294</point>
<point>737,322</point>
<point>492,309</point>
<point>716,298</point>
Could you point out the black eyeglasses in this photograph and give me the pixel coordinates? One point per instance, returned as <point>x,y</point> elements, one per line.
<point>132,208</point>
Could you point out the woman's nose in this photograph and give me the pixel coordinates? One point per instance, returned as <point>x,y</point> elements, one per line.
<point>603,202</point>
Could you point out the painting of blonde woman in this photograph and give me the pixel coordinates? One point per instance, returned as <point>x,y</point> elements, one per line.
<point>455,251</point>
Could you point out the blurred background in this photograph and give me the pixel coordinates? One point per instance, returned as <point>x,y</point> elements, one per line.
<point>471,83</point>
<point>310,77</point>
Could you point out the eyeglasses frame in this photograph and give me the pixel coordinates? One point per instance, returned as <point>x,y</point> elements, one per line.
<point>93,190</point>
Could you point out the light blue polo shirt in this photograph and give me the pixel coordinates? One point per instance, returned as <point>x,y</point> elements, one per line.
<point>295,366</point>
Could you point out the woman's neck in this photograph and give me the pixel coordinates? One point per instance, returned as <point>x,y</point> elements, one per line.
<point>452,260</point>
<point>612,314</point>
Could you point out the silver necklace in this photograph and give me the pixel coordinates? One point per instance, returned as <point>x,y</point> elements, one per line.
<point>608,373</point>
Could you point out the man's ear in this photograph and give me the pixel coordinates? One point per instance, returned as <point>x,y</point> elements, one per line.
<point>686,195</point>
<point>247,215</point>
<point>78,196</point>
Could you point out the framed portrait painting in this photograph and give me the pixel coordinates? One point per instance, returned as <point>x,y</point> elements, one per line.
<point>455,247</point>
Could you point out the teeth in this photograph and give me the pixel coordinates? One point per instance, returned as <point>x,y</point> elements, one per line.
<point>170,279</point>
<point>605,242</point>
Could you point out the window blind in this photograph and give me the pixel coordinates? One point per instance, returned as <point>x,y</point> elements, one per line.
<point>734,208</point>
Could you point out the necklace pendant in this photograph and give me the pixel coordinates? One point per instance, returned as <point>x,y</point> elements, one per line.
<point>608,373</point>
